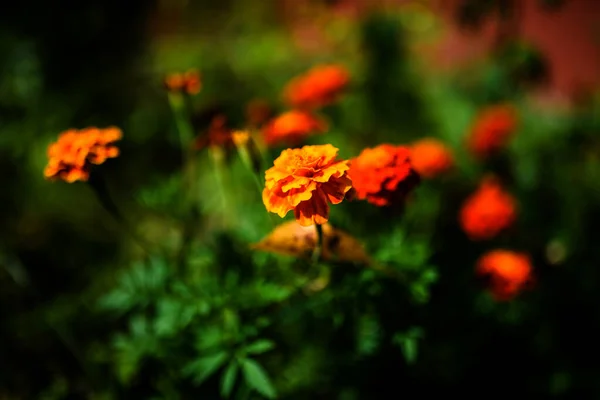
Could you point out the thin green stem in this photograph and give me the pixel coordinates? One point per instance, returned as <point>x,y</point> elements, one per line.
<point>185,129</point>
<point>218,159</point>
<point>100,190</point>
<point>186,138</point>
<point>177,101</point>
<point>318,251</point>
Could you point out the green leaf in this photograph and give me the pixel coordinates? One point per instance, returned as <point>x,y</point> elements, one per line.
<point>228,379</point>
<point>409,348</point>
<point>208,338</point>
<point>368,335</point>
<point>408,343</point>
<point>204,367</point>
<point>260,346</point>
<point>257,378</point>
<point>118,300</point>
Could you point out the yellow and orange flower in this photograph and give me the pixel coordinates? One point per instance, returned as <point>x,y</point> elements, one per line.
<point>430,157</point>
<point>306,180</point>
<point>71,157</point>
<point>187,82</point>
<point>318,87</point>
<point>292,128</point>
<point>492,129</point>
<point>383,175</point>
<point>487,211</point>
<point>508,272</point>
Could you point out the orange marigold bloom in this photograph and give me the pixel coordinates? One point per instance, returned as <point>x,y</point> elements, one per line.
<point>218,134</point>
<point>383,175</point>
<point>188,82</point>
<point>258,111</point>
<point>508,272</point>
<point>70,158</point>
<point>492,129</point>
<point>320,86</point>
<point>487,211</point>
<point>292,128</point>
<point>306,180</point>
<point>430,157</point>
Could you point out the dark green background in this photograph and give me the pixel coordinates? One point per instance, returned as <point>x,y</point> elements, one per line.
<point>77,64</point>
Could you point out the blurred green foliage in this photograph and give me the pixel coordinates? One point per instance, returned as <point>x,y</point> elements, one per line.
<point>89,312</point>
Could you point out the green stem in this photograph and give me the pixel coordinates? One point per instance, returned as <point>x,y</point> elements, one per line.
<point>177,101</point>
<point>100,190</point>
<point>318,251</point>
<point>186,137</point>
<point>218,159</point>
<point>185,129</point>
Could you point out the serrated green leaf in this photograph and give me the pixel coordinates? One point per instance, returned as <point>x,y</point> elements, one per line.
<point>260,346</point>
<point>202,368</point>
<point>208,338</point>
<point>168,318</point>
<point>257,378</point>
<point>228,379</point>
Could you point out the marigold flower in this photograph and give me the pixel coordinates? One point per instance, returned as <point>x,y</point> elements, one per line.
<point>508,272</point>
<point>320,86</point>
<point>492,129</point>
<point>383,175</point>
<point>188,82</point>
<point>258,111</point>
<point>487,211</point>
<point>430,157</point>
<point>292,128</point>
<point>306,180</point>
<point>71,157</point>
<point>218,135</point>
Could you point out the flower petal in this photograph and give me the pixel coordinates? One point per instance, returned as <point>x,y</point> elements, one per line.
<point>335,190</point>
<point>313,211</point>
<point>275,203</point>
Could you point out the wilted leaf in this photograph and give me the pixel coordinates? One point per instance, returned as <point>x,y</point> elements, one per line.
<point>293,239</point>
<point>257,378</point>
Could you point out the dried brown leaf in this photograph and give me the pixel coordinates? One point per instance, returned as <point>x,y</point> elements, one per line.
<point>293,239</point>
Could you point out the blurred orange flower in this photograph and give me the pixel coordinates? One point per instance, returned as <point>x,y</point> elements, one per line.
<point>70,158</point>
<point>306,180</point>
<point>292,128</point>
<point>430,157</point>
<point>258,111</point>
<point>187,82</point>
<point>218,134</point>
<point>492,129</point>
<point>320,86</point>
<point>383,175</point>
<point>508,272</point>
<point>487,211</point>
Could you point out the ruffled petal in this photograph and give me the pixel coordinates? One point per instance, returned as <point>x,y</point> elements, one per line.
<point>335,190</point>
<point>276,203</point>
<point>313,211</point>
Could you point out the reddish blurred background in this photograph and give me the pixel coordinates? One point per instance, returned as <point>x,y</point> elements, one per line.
<point>566,32</point>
